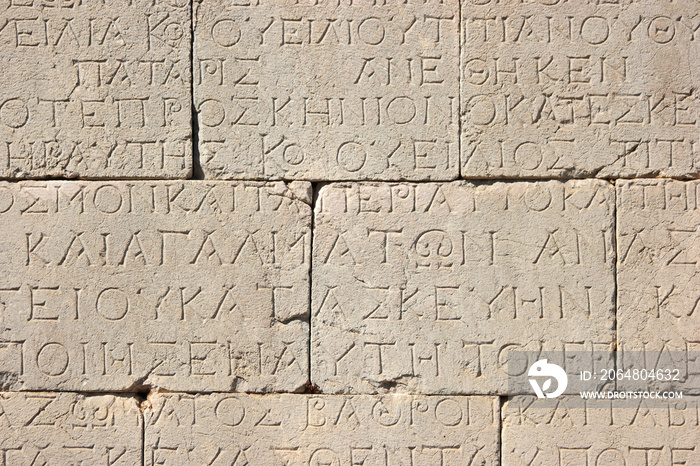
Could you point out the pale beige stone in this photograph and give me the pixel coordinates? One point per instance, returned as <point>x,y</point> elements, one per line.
<point>429,287</point>
<point>69,429</point>
<point>580,89</point>
<point>97,89</point>
<point>569,431</point>
<point>658,275</point>
<point>193,286</point>
<point>276,430</point>
<point>327,90</point>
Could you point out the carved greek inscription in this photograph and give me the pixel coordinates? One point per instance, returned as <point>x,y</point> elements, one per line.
<point>185,285</point>
<point>430,287</point>
<point>384,103</point>
<point>579,90</point>
<point>42,427</point>
<point>315,429</point>
<point>657,234</point>
<point>118,103</point>
<point>574,431</point>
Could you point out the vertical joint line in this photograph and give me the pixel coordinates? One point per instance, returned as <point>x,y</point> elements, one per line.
<point>143,435</point>
<point>616,249</point>
<point>314,194</point>
<point>460,46</point>
<point>197,172</point>
<point>616,293</point>
<point>501,404</point>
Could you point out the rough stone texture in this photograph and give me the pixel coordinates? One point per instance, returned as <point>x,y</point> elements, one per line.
<point>427,299</point>
<point>427,287</point>
<point>69,429</point>
<point>658,278</point>
<point>96,89</point>
<point>193,286</point>
<point>319,430</point>
<point>580,89</point>
<point>316,91</point>
<point>566,432</point>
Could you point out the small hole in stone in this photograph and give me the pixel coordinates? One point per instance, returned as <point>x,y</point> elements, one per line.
<point>143,392</point>
<point>311,388</point>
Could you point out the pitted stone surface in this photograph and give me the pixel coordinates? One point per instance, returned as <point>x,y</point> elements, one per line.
<point>288,89</point>
<point>68,428</point>
<point>580,89</point>
<point>191,286</point>
<point>96,89</point>
<point>428,287</point>
<point>567,431</point>
<point>658,275</point>
<point>274,430</point>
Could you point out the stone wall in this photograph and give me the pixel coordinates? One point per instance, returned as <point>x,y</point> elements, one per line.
<point>349,232</point>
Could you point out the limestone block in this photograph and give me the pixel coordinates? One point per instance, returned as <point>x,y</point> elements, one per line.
<point>327,90</point>
<point>429,287</point>
<point>97,89</point>
<point>580,89</point>
<point>68,428</point>
<point>191,286</point>
<point>658,275</point>
<point>569,431</point>
<point>284,429</point>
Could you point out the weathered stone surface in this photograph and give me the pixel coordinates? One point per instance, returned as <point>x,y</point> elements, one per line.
<point>428,287</point>
<point>191,286</point>
<point>658,276</point>
<point>315,430</point>
<point>68,428</point>
<point>580,89</point>
<point>565,431</point>
<point>96,89</point>
<point>288,89</point>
